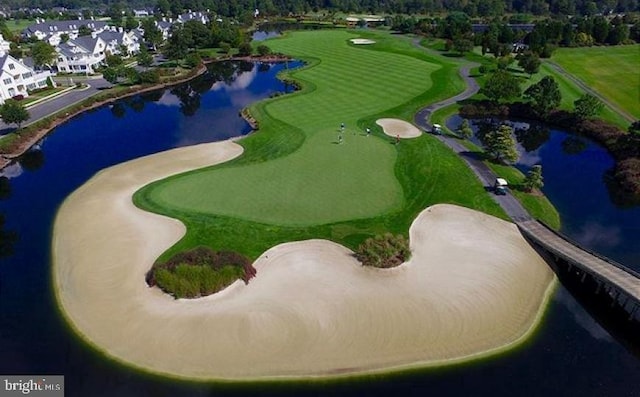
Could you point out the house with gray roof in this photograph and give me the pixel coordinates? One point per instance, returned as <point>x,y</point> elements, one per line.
<point>52,30</point>
<point>116,39</point>
<point>81,55</point>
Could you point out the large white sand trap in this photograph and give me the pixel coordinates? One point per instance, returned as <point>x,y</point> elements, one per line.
<point>401,128</point>
<point>362,41</point>
<point>472,286</point>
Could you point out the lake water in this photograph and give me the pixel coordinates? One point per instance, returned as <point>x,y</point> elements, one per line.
<point>569,355</point>
<point>577,180</point>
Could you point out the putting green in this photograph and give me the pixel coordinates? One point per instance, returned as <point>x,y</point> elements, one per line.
<point>334,176</point>
<point>296,181</point>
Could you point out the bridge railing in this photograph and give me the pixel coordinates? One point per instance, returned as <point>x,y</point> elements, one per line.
<point>604,258</point>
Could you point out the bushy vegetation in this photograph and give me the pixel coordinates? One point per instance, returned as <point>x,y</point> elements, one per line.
<point>200,272</point>
<point>384,251</point>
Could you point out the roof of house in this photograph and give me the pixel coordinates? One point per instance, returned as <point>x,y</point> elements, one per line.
<point>64,26</point>
<point>109,36</point>
<point>3,60</point>
<point>193,15</point>
<point>71,48</point>
<point>86,42</point>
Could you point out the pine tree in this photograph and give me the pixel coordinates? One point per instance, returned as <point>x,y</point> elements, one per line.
<point>501,144</point>
<point>534,179</point>
<point>464,130</point>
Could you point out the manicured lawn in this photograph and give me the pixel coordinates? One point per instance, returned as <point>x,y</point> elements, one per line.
<point>295,181</point>
<point>612,71</point>
<point>17,25</point>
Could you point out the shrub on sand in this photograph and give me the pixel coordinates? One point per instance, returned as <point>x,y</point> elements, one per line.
<point>200,272</point>
<point>384,251</point>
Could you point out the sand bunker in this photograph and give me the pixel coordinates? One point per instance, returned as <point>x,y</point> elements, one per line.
<point>362,41</point>
<point>473,285</point>
<point>395,127</point>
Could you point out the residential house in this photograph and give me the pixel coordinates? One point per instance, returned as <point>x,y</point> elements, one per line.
<point>165,27</point>
<point>116,38</point>
<point>4,46</point>
<point>18,79</point>
<point>52,30</point>
<point>81,55</point>
<point>193,16</point>
<point>141,13</point>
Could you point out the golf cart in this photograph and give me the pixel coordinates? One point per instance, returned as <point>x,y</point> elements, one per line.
<point>500,187</point>
<point>437,129</point>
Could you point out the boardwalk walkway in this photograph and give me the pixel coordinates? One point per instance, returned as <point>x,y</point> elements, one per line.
<point>600,268</point>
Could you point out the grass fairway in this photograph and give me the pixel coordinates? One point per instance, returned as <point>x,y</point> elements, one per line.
<point>612,71</point>
<point>295,181</point>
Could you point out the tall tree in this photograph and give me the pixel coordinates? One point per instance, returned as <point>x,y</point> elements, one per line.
<point>84,30</point>
<point>501,144</point>
<point>464,130</point>
<point>14,112</point>
<point>534,179</point>
<point>152,34</point>
<point>501,85</point>
<point>43,54</point>
<point>462,45</point>
<point>587,106</point>
<point>143,57</point>
<point>529,62</point>
<point>544,95</point>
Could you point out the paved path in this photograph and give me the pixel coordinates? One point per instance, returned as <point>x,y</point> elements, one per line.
<point>626,115</point>
<point>54,105</point>
<point>509,204</point>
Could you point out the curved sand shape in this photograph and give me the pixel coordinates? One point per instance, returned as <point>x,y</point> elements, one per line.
<point>396,127</point>
<point>362,41</point>
<point>472,286</point>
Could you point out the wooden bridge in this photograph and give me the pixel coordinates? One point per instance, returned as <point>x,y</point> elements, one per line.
<point>620,283</point>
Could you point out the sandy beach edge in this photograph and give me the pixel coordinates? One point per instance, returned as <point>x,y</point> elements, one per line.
<point>356,374</point>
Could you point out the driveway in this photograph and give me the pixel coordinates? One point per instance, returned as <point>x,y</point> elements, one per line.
<point>54,105</point>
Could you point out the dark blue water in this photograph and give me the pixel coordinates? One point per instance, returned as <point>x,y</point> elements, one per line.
<point>570,354</point>
<point>577,180</point>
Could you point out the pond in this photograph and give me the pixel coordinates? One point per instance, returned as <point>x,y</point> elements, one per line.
<point>577,180</point>
<point>571,354</point>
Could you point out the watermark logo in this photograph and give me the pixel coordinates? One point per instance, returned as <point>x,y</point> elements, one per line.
<point>32,385</point>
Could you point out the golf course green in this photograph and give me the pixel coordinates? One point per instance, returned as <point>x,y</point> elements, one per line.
<point>301,177</point>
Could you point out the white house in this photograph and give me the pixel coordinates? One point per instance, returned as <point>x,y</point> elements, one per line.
<point>52,30</point>
<point>193,16</point>
<point>18,79</point>
<point>116,38</point>
<point>81,55</point>
<point>4,46</point>
<point>141,13</point>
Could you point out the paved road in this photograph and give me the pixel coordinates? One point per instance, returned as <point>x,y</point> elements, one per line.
<point>627,116</point>
<point>509,204</point>
<point>47,108</point>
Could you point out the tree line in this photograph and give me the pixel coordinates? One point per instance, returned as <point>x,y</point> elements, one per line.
<point>239,8</point>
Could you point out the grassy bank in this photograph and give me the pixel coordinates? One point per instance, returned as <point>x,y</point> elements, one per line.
<point>537,205</point>
<point>610,70</point>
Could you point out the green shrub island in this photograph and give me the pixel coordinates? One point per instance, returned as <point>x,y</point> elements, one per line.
<point>200,272</point>
<point>384,251</point>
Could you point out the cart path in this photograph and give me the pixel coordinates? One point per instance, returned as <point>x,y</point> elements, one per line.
<point>509,204</point>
